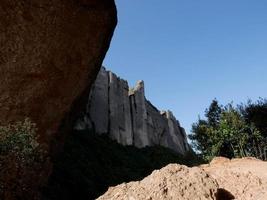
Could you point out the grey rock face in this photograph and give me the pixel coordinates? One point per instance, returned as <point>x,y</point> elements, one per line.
<point>127,117</point>
<point>139,116</point>
<point>98,104</point>
<point>176,141</point>
<point>120,126</point>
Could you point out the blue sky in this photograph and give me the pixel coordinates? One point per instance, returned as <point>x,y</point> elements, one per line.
<point>189,52</point>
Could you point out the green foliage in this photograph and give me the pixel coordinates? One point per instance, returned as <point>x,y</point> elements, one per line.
<point>228,132</point>
<point>20,140</point>
<point>91,163</point>
<point>256,113</point>
<point>21,159</point>
<point>213,113</point>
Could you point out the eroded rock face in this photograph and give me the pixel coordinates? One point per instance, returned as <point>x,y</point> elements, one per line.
<point>120,126</point>
<point>50,53</point>
<point>128,117</point>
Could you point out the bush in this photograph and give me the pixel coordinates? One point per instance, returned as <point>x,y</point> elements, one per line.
<point>22,161</point>
<point>229,131</point>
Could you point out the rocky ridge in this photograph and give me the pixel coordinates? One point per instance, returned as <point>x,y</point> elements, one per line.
<point>128,117</point>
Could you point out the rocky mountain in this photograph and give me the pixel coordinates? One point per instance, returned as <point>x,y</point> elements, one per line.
<point>222,179</point>
<point>128,117</point>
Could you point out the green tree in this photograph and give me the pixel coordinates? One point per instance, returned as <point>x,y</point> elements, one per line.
<point>213,113</point>
<point>227,132</point>
<point>232,134</point>
<point>204,130</point>
<point>256,113</point>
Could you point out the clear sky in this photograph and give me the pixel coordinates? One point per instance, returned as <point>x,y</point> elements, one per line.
<point>189,52</point>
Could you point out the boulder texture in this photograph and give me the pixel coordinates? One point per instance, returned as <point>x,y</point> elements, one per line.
<point>50,53</point>
<point>128,117</point>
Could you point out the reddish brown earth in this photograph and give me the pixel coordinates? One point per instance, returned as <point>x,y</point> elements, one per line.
<point>245,178</point>
<point>50,53</point>
<point>222,179</point>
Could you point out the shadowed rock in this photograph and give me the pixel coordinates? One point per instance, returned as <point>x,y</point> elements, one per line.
<point>50,54</point>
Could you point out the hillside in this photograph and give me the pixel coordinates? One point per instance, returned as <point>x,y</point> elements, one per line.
<point>90,163</point>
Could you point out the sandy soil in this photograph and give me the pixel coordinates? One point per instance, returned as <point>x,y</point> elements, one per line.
<point>222,179</point>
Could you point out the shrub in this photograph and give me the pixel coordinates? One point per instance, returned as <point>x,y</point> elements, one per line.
<point>231,131</point>
<point>22,161</point>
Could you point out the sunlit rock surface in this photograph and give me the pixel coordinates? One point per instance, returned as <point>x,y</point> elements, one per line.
<point>128,117</point>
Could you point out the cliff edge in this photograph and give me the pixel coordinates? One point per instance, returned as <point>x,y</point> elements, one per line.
<point>128,117</point>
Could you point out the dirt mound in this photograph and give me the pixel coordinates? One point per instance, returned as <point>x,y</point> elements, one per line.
<point>245,178</point>
<point>222,179</point>
<point>171,182</point>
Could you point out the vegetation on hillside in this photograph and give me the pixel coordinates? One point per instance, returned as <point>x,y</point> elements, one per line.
<point>232,131</point>
<point>22,160</point>
<point>90,163</point>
